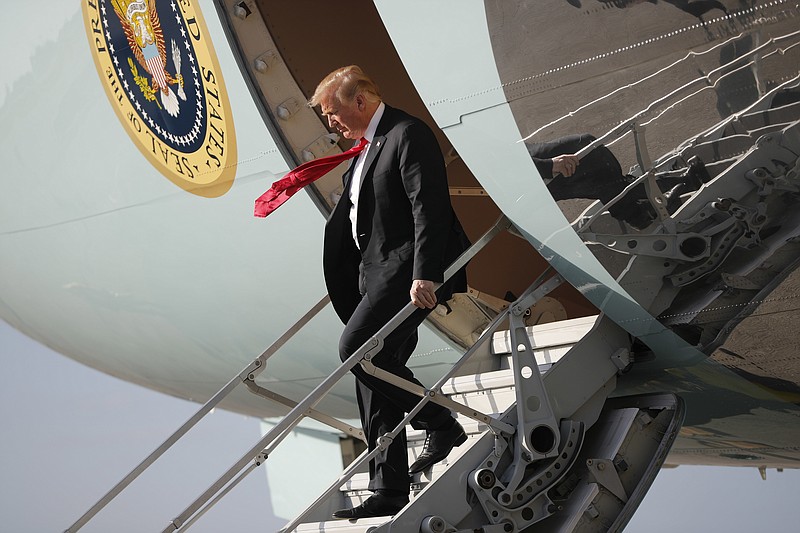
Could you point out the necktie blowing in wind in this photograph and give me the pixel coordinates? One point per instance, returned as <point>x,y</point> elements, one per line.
<point>296,179</point>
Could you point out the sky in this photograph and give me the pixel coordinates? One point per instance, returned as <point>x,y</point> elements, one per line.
<point>69,433</point>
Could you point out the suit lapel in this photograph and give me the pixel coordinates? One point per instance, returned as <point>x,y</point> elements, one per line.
<point>347,177</point>
<point>385,124</point>
<point>374,148</point>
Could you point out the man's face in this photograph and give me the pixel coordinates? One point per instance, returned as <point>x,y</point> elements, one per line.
<point>348,118</point>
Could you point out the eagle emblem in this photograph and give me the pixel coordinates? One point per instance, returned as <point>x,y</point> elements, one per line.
<point>142,27</point>
<point>180,120</point>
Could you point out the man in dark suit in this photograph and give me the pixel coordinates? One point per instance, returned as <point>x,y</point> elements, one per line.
<point>599,176</point>
<point>387,242</point>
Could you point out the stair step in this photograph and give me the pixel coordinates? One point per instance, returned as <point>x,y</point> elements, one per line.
<point>555,336</point>
<point>360,481</point>
<point>343,526</point>
<point>471,427</point>
<point>479,382</point>
<point>415,439</point>
<point>550,343</point>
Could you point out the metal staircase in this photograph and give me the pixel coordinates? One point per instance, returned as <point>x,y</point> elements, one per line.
<point>490,392</point>
<point>542,448</point>
<point>592,482</point>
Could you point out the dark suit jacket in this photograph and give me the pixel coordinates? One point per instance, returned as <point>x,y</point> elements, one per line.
<point>407,229</point>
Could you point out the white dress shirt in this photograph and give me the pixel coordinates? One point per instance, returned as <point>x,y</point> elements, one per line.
<point>358,169</point>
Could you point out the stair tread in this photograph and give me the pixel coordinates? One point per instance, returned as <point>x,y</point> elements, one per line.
<point>360,481</point>
<point>550,335</point>
<point>343,526</point>
<point>479,382</point>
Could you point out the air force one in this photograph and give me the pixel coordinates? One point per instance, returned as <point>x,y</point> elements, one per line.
<point>641,317</point>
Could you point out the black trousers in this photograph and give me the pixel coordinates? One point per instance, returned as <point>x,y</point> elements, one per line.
<point>598,177</point>
<point>382,406</point>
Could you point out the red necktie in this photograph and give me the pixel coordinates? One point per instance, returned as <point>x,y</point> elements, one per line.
<point>301,176</point>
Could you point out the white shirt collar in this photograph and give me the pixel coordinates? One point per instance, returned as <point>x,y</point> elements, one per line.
<point>369,134</point>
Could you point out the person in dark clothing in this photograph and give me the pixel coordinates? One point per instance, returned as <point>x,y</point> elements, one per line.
<point>598,176</point>
<point>387,243</point>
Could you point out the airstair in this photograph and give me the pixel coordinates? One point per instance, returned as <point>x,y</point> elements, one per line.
<point>590,472</point>
<point>546,447</point>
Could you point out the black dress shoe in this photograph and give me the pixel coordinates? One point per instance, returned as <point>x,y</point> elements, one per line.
<point>645,215</point>
<point>438,445</point>
<point>696,174</point>
<point>375,505</point>
<point>642,216</point>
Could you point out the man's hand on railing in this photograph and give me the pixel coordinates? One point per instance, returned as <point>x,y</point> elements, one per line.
<point>565,164</point>
<point>422,294</point>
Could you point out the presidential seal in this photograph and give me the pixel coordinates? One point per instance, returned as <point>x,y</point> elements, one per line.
<point>158,66</point>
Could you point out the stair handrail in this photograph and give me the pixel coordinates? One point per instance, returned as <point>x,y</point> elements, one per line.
<point>275,436</point>
<point>249,372</point>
